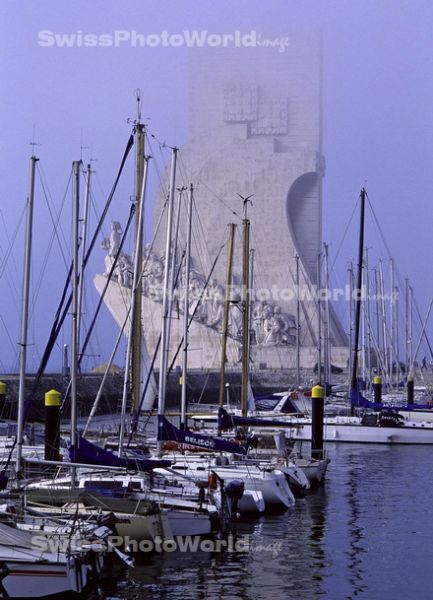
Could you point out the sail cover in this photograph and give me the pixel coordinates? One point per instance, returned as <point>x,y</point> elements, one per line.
<point>87,453</point>
<point>226,421</point>
<point>168,432</point>
<point>357,399</point>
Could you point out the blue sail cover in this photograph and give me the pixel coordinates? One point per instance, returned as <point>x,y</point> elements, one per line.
<point>269,402</point>
<point>226,421</point>
<point>168,432</point>
<point>357,399</point>
<point>87,453</point>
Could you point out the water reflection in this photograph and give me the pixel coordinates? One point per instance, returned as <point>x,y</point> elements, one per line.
<point>355,532</point>
<point>354,538</point>
<point>285,557</point>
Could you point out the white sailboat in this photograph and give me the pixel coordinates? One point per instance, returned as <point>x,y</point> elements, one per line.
<point>29,571</point>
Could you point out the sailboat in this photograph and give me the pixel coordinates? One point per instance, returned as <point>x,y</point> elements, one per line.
<point>384,427</point>
<point>185,516</point>
<point>269,482</point>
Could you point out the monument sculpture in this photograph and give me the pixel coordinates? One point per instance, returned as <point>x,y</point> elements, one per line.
<point>254,129</point>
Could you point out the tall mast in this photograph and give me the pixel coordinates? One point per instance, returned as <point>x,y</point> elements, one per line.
<point>83,246</point>
<point>166,299</point>
<point>136,328</point>
<point>319,316</point>
<point>232,229</point>
<point>173,272</point>
<point>378,328</point>
<point>350,281</point>
<point>298,326</point>
<point>183,422</point>
<point>408,326</point>
<point>364,322</point>
<point>363,336</point>
<point>354,380</point>
<point>368,316</point>
<point>328,362</point>
<point>397,335</point>
<point>75,272</point>
<point>24,313</point>
<point>383,320</point>
<point>134,299</point>
<point>245,309</point>
<point>393,323</point>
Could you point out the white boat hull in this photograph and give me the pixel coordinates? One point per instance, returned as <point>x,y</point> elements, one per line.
<point>350,430</point>
<point>27,579</point>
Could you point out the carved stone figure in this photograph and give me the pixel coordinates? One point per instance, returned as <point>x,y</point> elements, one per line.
<point>285,323</point>
<point>124,270</point>
<point>153,275</point>
<point>196,285</point>
<point>216,304</point>
<point>116,232</point>
<point>258,318</point>
<point>235,314</point>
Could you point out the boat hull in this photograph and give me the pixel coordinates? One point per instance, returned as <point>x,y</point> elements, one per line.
<point>350,430</point>
<point>43,580</point>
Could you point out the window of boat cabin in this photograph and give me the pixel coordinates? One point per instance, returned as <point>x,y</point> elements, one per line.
<point>104,485</point>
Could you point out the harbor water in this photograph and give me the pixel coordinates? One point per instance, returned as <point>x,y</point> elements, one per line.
<point>366,534</point>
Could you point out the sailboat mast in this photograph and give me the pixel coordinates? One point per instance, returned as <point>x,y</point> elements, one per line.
<point>173,271</point>
<point>135,284</point>
<point>383,319</point>
<point>397,336</point>
<point>75,272</point>
<point>328,361</point>
<point>298,326</point>
<point>408,326</point>
<point>83,245</point>
<point>350,283</point>
<point>358,291</point>
<point>363,338</point>
<point>166,300</point>
<point>24,313</point>
<point>319,316</point>
<point>392,364</point>
<point>368,315</point>
<point>183,422</point>
<point>245,313</point>
<point>135,332</point>
<point>232,229</point>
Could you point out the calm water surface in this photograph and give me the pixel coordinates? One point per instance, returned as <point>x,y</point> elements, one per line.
<point>367,534</point>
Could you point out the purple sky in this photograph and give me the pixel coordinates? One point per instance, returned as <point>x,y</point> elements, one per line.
<point>377,109</point>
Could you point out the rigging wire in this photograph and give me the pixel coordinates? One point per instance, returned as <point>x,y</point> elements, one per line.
<point>64,303</point>
<point>8,252</point>
<point>398,273</point>
<point>55,219</point>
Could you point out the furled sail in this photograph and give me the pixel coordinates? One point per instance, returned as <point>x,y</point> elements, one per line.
<point>168,432</point>
<point>87,453</point>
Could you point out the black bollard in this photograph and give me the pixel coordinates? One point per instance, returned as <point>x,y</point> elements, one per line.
<point>410,388</point>
<point>52,425</point>
<point>2,397</point>
<point>377,387</point>
<point>317,399</point>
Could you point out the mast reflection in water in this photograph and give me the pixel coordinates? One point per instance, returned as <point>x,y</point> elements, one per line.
<point>367,533</point>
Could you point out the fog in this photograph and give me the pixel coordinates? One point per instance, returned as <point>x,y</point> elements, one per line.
<point>75,101</point>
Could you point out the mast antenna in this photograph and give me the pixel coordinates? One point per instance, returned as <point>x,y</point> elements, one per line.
<point>246,200</point>
<point>138,98</point>
<point>33,144</point>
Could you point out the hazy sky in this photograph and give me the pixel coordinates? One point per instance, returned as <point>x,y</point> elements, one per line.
<point>377,117</point>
